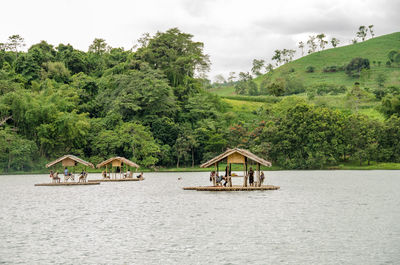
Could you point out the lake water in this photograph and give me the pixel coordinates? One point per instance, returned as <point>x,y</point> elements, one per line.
<point>317,217</point>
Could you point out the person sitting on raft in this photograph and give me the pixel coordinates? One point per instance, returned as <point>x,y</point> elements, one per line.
<point>127,174</point>
<point>140,176</point>
<point>56,178</point>
<point>219,180</point>
<point>212,175</point>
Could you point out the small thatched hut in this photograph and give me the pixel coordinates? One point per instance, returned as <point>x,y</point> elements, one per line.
<point>117,163</point>
<point>238,156</point>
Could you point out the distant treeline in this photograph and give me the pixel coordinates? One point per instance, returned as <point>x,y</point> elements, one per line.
<point>151,106</point>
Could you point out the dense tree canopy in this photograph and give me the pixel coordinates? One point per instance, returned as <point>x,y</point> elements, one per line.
<point>152,106</point>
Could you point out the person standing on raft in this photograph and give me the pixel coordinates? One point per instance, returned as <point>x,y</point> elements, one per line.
<point>251,177</point>
<point>262,177</point>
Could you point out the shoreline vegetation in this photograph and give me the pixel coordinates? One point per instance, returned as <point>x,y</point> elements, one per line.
<point>336,108</point>
<point>352,165</point>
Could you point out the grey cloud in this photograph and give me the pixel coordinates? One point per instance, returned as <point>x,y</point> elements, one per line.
<point>322,22</point>
<point>196,8</point>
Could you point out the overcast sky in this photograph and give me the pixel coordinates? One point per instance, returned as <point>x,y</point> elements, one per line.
<point>233,32</point>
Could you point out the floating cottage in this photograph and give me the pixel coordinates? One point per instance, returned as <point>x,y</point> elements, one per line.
<point>69,161</point>
<point>114,170</point>
<point>236,156</point>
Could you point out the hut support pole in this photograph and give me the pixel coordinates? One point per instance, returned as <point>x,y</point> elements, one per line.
<point>230,177</point>
<point>213,179</point>
<point>217,174</point>
<point>245,174</point>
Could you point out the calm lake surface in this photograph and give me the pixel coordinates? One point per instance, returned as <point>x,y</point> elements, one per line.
<point>317,217</point>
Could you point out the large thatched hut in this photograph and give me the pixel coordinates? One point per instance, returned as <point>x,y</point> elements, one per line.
<point>237,156</point>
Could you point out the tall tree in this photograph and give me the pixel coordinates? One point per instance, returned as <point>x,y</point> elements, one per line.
<point>301,47</point>
<point>220,79</point>
<point>371,31</point>
<point>290,54</point>
<point>322,41</point>
<point>257,67</point>
<point>335,42</point>
<point>176,54</point>
<point>231,77</point>
<point>99,46</point>
<point>269,67</point>
<point>311,44</point>
<point>143,94</point>
<point>15,42</point>
<point>362,32</point>
<point>277,57</point>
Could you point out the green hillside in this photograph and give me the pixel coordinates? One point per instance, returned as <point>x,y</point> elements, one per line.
<point>375,50</point>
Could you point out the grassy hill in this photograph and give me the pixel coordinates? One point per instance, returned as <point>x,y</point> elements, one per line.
<point>375,50</point>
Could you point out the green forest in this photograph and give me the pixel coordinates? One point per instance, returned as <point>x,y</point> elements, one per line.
<point>154,105</point>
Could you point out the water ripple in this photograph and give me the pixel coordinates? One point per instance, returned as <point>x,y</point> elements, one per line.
<point>318,217</point>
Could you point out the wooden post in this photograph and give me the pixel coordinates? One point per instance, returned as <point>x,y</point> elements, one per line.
<point>230,177</point>
<point>258,175</point>
<point>245,175</point>
<point>216,174</point>
<point>213,179</point>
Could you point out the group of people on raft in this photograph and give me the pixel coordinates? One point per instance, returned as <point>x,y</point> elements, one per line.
<point>68,175</point>
<point>217,179</point>
<point>128,174</point>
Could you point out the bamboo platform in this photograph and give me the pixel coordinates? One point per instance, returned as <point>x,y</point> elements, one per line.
<point>233,188</point>
<point>115,180</point>
<point>67,184</point>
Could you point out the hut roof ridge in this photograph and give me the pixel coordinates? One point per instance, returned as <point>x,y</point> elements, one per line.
<point>75,158</point>
<point>120,158</point>
<point>243,152</point>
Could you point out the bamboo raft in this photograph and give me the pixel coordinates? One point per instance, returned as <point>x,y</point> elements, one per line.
<point>67,184</point>
<point>233,188</point>
<point>115,180</point>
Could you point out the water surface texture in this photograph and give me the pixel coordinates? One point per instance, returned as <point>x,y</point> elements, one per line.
<point>317,217</point>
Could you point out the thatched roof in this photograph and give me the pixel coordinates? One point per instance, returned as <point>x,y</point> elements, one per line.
<point>72,157</point>
<point>122,159</point>
<point>243,152</point>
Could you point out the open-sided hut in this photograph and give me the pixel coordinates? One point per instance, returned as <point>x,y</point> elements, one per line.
<point>69,161</point>
<point>237,156</point>
<point>117,163</point>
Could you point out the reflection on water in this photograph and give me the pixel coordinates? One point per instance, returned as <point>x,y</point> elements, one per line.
<point>317,217</point>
